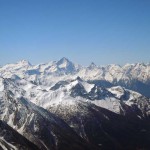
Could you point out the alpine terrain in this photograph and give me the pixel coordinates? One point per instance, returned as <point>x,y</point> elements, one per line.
<point>61,105</point>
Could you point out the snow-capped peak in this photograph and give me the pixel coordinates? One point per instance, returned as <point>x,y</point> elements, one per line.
<point>63,62</point>
<point>24,63</point>
<point>78,81</point>
<point>65,65</point>
<point>124,94</point>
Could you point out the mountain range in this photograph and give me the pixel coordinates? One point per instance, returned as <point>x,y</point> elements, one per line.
<point>61,105</point>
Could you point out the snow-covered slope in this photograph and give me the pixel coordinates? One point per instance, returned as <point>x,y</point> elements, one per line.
<point>132,98</point>
<point>116,99</point>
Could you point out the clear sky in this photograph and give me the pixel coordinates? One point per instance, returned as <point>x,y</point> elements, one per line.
<point>103,31</point>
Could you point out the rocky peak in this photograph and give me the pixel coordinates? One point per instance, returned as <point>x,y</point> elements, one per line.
<point>92,66</point>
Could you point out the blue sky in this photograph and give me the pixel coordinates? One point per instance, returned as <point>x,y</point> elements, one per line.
<point>103,31</point>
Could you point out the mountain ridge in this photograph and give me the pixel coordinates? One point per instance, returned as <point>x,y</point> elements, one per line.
<point>131,76</point>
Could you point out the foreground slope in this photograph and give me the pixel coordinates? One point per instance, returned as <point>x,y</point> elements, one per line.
<point>104,128</point>
<point>12,140</point>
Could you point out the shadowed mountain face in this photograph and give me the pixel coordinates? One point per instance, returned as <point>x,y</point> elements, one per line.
<point>61,105</point>
<point>10,139</point>
<point>134,85</point>
<point>104,128</point>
